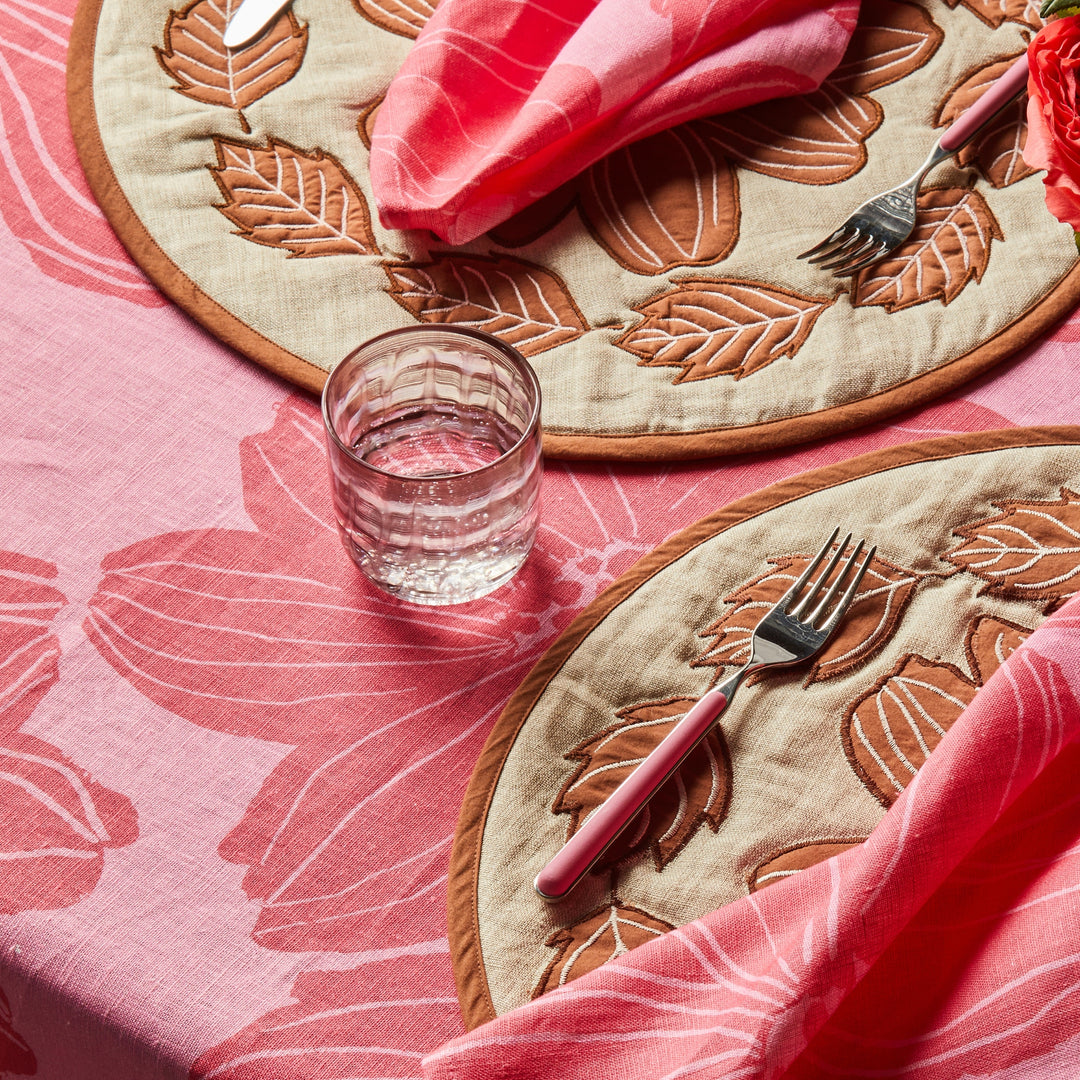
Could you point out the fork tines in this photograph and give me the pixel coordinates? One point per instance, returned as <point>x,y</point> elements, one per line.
<point>827,601</point>
<point>847,251</point>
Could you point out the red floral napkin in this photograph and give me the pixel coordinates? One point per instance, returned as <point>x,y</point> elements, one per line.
<point>498,104</point>
<point>945,946</point>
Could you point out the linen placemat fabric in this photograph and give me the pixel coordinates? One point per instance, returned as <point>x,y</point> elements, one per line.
<point>976,539</point>
<point>496,107</point>
<point>160,488</point>
<point>943,946</point>
<point>657,295</point>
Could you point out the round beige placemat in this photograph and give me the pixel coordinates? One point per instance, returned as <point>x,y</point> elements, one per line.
<point>978,538</point>
<point>658,295</point>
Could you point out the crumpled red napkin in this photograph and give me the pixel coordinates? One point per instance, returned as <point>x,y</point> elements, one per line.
<point>498,104</point>
<point>944,947</point>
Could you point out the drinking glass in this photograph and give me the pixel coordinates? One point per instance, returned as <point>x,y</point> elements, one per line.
<point>434,438</point>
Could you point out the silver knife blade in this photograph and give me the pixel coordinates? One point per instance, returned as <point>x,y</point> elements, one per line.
<point>251,19</point>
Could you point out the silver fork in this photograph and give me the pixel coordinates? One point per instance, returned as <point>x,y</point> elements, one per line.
<point>884,222</point>
<point>789,633</point>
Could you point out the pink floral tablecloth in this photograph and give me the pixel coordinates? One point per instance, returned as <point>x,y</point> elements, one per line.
<point>230,771</point>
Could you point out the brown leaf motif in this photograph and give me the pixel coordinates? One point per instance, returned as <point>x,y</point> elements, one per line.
<point>871,620</point>
<point>666,201</point>
<point>304,203</point>
<point>205,70</point>
<point>892,40</point>
<point>990,642</point>
<point>791,860</point>
<point>698,793</point>
<point>527,306</point>
<point>601,936</point>
<point>721,326</point>
<point>949,247</point>
<point>818,138</point>
<point>1030,551</point>
<point>891,731</point>
<point>365,122</point>
<point>996,12</point>
<point>997,152</point>
<point>404,17</point>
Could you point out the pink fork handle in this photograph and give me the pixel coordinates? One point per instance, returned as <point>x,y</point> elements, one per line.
<point>579,853</point>
<point>996,98</point>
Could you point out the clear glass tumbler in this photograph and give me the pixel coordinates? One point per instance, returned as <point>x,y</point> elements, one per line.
<point>433,435</point>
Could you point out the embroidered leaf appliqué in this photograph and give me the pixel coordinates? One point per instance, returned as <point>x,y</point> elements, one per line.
<point>890,731</point>
<point>950,246</point>
<point>990,643</point>
<point>1030,551</point>
<point>892,40</point>
<point>696,795</point>
<point>601,936</point>
<point>711,327</point>
<point>997,152</point>
<point>666,201</point>
<point>302,202</point>
<point>791,861</point>
<point>404,17</point>
<point>996,12</point>
<point>525,305</point>
<point>205,70</point>
<point>818,138</point>
<point>871,620</point>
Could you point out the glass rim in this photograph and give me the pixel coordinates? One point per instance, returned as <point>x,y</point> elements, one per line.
<point>515,358</point>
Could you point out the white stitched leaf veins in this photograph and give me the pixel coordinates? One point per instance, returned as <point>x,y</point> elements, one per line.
<point>1029,551</point>
<point>526,305</point>
<point>305,203</point>
<point>697,794</point>
<point>890,732</point>
<point>665,201</point>
<point>996,12</point>
<point>404,17</point>
<point>997,151</point>
<point>873,618</point>
<point>601,936</point>
<point>819,138</point>
<point>722,326</point>
<point>207,71</point>
<point>950,246</point>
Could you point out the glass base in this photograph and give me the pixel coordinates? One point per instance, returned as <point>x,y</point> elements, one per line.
<point>436,581</point>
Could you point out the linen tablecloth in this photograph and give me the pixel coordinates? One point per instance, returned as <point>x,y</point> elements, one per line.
<point>231,770</point>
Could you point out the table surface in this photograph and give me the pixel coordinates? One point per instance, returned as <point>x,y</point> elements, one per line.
<point>222,729</point>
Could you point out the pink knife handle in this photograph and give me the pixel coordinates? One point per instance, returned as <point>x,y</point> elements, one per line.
<point>579,853</point>
<point>993,101</point>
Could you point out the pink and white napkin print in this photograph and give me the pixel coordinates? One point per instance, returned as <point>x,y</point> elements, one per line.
<point>943,947</point>
<point>498,104</point>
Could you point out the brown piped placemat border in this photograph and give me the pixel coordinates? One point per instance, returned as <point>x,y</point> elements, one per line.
<point>464,931</point>
<point>133,234</point>
<point>706,339</point>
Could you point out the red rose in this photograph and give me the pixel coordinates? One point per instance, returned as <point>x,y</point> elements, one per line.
<point>1053,139</point>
